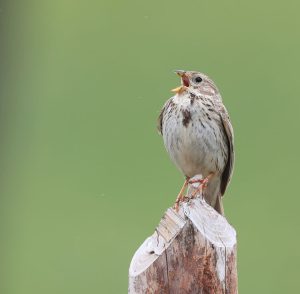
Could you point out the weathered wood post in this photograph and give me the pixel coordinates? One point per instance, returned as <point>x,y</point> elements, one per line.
<point>191,251</point>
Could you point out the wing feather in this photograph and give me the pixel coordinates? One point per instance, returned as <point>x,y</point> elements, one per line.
<point>161,116</point>
<point>227,173</point>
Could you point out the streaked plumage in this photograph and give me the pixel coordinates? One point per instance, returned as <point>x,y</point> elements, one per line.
<point>198,135</point>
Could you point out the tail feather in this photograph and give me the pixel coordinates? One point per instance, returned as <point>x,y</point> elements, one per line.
<point>219,205</point>
<point>212,194</point>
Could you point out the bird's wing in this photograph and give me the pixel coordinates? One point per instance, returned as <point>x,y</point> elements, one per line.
<point>161,116</point>
<point>227,173</point>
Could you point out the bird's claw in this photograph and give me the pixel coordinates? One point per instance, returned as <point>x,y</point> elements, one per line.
<point>202,186</point>
<point>178,201</point>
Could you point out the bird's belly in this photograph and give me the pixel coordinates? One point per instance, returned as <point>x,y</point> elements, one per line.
<point>195,148</point>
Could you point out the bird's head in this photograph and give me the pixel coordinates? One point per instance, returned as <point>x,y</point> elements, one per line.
<point>197,81</point>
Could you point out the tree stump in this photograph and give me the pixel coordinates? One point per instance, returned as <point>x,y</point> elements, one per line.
<point>191,251</point>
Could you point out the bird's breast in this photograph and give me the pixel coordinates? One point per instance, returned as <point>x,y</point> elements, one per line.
<point>193,137</point>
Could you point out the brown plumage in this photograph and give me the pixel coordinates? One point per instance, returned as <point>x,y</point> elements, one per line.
<point>198,134</point>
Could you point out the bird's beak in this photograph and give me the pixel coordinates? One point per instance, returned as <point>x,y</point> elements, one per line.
<point>184,82</point>
<point>180,72</point>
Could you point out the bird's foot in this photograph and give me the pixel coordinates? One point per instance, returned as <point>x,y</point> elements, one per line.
<point>181,195</point>
<point>176,204</point>
<point>202,185</point>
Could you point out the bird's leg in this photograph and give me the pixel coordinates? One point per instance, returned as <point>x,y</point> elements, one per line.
<point>180,195</point>
<point>202,184</point>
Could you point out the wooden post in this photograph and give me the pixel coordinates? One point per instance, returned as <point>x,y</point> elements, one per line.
<point>191,251</point>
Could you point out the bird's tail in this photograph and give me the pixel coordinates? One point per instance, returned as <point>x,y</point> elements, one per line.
<point>212,194</point>
<point>219,205</point>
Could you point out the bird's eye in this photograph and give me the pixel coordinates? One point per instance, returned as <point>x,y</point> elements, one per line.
<point>198,80</point>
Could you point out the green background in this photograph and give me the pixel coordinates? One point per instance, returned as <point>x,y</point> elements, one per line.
<point>84,174</point>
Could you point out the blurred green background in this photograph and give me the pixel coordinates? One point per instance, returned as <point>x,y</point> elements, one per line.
<point>84,174</point>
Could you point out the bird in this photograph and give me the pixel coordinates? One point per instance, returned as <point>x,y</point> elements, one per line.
<point>198,135</point>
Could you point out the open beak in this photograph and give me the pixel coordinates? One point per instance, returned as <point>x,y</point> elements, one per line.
<point>184,82</point>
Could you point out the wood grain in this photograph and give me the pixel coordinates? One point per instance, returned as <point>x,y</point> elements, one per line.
<point>191,251</point>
